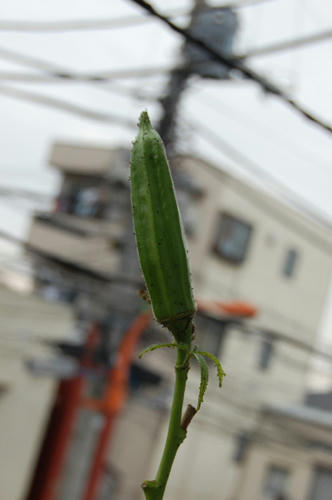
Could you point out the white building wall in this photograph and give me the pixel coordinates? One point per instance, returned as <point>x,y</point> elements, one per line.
<point>291,306</point>
<point>25,401</point>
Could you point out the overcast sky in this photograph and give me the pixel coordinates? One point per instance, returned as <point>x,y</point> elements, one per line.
<point>264,129</point>
<point>282,143</point>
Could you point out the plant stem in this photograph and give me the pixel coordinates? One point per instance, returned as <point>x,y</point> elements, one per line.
<point>154,490</point>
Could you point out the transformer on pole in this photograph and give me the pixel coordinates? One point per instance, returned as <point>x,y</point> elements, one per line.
<point>217,27</point>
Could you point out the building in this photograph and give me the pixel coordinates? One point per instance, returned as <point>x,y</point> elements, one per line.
<point>290,457</point>
<point>26,395</point>
<point>84,254</point>
<point>245,245</point>
<point>249,246</point>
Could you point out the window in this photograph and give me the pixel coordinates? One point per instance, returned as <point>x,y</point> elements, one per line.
<point>242,441</point>
<point>232,238</point>
<point>275,483</point>
<point>322,484</point>
<point>289,265</point>
<point>210,333</point>
<point>266,352</point>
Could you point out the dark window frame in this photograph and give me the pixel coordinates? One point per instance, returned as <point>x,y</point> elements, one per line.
<point>317,472</point>
<point>210,333</point>
<point>266,352</point>
<point>270,483</point>
<point>228,217</point>
<point>290,263</point>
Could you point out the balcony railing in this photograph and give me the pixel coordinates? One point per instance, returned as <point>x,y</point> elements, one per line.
<point>59,236</point>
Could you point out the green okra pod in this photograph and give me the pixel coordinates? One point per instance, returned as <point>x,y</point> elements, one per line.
<point>159,232</point>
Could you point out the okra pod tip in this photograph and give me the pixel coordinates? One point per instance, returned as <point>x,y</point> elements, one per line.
<point>158,228</point>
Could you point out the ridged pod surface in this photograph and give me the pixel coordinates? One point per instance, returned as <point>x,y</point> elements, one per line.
<point>158,229</point>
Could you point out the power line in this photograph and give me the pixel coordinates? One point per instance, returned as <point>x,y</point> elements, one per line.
<point>287,45</point>
<point>272,134</point>
<point>71,265</point>
<point>134,93</point>
<point>55,71</point>
<point>103,24</point>
<point>31,62</point>
<point>83,24</point>
<point>275,336</point>
<point>221,425</point>
<point>29,194</point>
<point>244,3</point>
<point>248,164</point>
<point>62,105</point>
<point>62,74</point>
<point>111,278</point>
<point>232,64</point>
<point>61,260</point>
<point>101,77</point>
<point>269,337</point>
<point>59,72</point>
<point>204,131</point>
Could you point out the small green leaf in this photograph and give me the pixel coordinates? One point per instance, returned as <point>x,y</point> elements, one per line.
<point>204,377</point>
<point>220,372</point>
<point>154,347</point>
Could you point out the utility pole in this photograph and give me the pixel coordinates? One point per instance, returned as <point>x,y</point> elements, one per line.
<point>214,25</point>
<point>176,85</point>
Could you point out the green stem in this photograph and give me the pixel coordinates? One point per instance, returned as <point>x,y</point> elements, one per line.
<point>154,490</point>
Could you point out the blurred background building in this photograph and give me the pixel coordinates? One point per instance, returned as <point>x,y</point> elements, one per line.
<point>247,249</point>
<point>28,324</point>
<point>82,418</point>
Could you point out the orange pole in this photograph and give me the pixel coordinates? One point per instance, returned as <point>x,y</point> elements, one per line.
<point>59,431</point>
<point>116,392</point>
<point>113,400</point>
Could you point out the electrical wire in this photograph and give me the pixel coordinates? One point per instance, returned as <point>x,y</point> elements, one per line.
<point>63,75</point>
<point>232,64</point>
<point>296,326</point>
<point>56,73</point>
<point>291,44</point>
<point>104,277</point>
<point>29,194</point>
<point>101,116</point>
<point>256,434</point>
<point>69,107</point>
<point>263,129</point>
<point>71,265</point>
<point>205,132</point>
<point>221,425</point>
<point>83,24</point>
<point>233,427</point>
<point>105,24</point>
<point>291,197</point>
<point>240,4</point>
<point>101,77</point>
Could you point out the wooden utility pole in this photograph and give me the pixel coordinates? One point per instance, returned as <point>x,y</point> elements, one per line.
<point>215,26</point>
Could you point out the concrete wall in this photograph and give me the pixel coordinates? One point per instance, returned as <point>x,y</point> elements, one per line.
<point>285,303</point>
<point>25,401</point>
<point>292,306</point>
<point>131,448</point>
<point>300,460</point>
<point>84,158</point>
<point>94,251</point>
